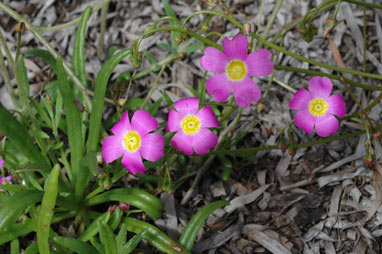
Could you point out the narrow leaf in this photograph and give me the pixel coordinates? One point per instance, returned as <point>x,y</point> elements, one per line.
<point>78,60</point>
<point>107,238</point>
<point>47,210</point>
<point>133,196</point>
<point>73,121</point>
<point>187,239</point>
<point>99,97</point>
<point>75,245</point>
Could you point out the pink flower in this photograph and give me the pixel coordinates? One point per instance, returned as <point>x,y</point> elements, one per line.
<point>191,127</point>
<point>133,141</point>
<point>234,70</point>
<point>317,108</point>
<point>3,182</point>
<point>1,162</point>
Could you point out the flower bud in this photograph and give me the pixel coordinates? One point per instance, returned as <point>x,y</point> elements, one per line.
<point>247,28</point>
<point>291,150</point>
<point>80,106</point>
<point>124,206</point>
<point>112,208</point>
<point>260,107</point>
<point>329,25</point>
<point>20,27</point>
<point>369,157</point>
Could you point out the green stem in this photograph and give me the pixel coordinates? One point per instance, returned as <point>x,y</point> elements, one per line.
<point>148,96</point>
<point>297,146</point>
<point>332,76</point>
<point>68,24</point>
<point>271,20</point>
<point>366,4</point>
<point>7,80</point>
<point>105,11</point>
<point>364,38</point>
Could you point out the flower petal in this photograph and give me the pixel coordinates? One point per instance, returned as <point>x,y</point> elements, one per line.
<point>213,60</point>
<point>304,120</point>
<point>133,162</point>
<point>122,125</point>
<point>112,148</point>
<point>173,122</point>
<point>204,140</point>
<point>300,100</point>
<point>152,147</point>
<point>259,63</point>
<point>1,162</point>
<point>219,87</point>
<point>182,142</point>
<point>236,48</point>
<point>320,87</point>
<point>187,106</point>
<point>326,125</point>
<point>208,117</point>
<point>337,105</point>
<point>245,92</point>
<point>143,122</point>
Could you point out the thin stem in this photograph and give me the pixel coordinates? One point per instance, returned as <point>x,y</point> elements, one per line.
<point>366,4</point>
<point>148,96</point>
<point>332,76</point>
<point>364,38</point>
<point>271,20</point>
<point>68,24</point>
<point>105,11</point>
<point>283,85</point>
<point>297,146</point>
<point>7,80</point>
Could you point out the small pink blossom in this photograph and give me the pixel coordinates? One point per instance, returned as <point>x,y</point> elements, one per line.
<point>133,141</point>
<point>316,108</point>
<point>1,163</point>
<point>234,70</point>
<point>191,127</point>
<point>3,182</point>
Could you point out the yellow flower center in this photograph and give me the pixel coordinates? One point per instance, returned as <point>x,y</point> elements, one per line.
<point>318,107</point>
<point>236,70</point>
<point>132,141</point>
<point>190,124</point>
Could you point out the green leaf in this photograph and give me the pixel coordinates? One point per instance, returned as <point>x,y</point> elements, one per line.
<point>193,47</point>
<point>75,245</point>
<point>99,97</point>
<point>170,12</point>
<point>22,71</point>
<point>132,243</point>
<point>92,229</point>
<point>133,196</point>
<point>167,47</point>
<point>170,103</point>
<point>115,218</point>
<point>41,111</point>
<point>45,55</point>
<point>15,230</point>
<point>21,139</point>
<point>15,246</point>
<point>154,236</point>
<point>32,249</point>
<point>153,110</point>
<point>47,210</point>
<point>121,237</point>
<point>10,212</point>
<point>74,125</point>
<point>187,239</point>
<point>107,238</point>
<point>78,60</point>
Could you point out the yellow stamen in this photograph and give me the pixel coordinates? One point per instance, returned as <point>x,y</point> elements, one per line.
<point>190,124</point>
<point>318,107</point>
<point>132,141</point>
<point>236,70</point>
